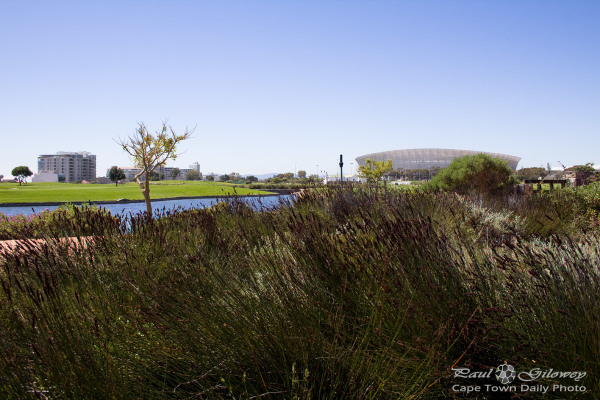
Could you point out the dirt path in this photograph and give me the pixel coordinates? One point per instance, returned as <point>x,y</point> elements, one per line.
<point>27,245</point>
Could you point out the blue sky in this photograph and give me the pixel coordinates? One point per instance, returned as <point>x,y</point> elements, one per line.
<point>271,86</point>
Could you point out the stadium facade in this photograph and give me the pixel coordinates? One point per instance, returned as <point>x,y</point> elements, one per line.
<point>429,158</point>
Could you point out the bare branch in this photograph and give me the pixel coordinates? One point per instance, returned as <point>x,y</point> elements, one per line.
<point>149,152</point>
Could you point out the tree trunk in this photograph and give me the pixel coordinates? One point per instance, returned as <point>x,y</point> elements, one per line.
<point>147,196</point>
<point>146,193</point>
<point>145,186</point>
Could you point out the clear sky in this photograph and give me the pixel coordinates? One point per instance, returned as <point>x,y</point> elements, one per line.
<point>274,86</point>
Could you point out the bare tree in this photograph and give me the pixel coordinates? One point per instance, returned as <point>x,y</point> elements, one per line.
<point>149,152</point>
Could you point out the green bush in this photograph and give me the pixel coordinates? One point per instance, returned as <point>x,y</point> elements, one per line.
<point>479,173</point>
<point>591,194</point>
<point>192,175</point>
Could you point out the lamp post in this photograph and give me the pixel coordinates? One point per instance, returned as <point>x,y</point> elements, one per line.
<point>317,171</point>
<point>341,171</point>
<point>295,165</point>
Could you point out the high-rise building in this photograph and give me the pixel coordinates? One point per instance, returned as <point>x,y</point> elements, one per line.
<point>195,166</point>
<point>69,166</point>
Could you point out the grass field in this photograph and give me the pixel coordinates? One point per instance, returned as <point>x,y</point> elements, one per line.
<point>68,192</point>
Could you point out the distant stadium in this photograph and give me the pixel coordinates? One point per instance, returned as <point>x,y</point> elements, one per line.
<point>428,159</point>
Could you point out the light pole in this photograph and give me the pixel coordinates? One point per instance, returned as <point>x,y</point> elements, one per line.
<point>295,165</point>
<point>341,171</point>
<point>317,171</point>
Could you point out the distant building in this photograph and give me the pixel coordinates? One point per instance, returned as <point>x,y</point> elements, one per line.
<point>69,167</point>
<point>45,177</point>
<point>195,166</point>
<point>130,172</point>
<point>166,173</point>
<point>183,173</point>
<point>427,159</point>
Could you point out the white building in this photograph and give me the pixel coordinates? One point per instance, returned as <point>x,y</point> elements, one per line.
<point>69,166</point>
<point>195,166</point>
<point>45,177</point>
<point>166,172</point>
<point>130,172</point>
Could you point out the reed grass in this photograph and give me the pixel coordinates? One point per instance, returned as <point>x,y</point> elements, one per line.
<point>337,294</point>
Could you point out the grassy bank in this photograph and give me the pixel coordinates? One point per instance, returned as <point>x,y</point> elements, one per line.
<point>339,295</point>
<point>66,192</point>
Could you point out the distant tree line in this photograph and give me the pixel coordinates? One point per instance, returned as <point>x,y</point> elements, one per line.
<point>541,173</point>
<point>419,174</point>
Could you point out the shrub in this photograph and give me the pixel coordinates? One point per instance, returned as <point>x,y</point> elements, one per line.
<point>192,175</point>
<point>479,173</point>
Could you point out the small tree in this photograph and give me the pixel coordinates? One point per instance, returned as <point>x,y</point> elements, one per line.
<point>235,177</point>
<point>302,174</point>
<point>373,171</point>
<point>154,176</point>
<point>314,178</point>
<point>192,175</point>
<point>224,178</point>
<point>21,173</point>
<point>175,173</point>
<point>588,167</point>
<point>210,178</point>
<point>116,174</point>
<point>150,152</point>
<point>531,173</point>
<point>479,173</point>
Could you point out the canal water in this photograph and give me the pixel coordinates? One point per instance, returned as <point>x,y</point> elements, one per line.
<point>158,205</point>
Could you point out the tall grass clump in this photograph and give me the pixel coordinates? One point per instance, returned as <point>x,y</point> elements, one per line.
<point>67,220</point>
<point>337,294</point>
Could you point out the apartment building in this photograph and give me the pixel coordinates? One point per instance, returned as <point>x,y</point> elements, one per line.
<point>70,166</point>
<point>130,173</point>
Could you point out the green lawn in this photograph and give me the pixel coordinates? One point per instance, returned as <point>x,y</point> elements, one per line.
<point>545,187</point>
<point>70,192</point>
